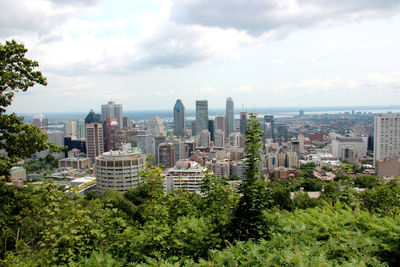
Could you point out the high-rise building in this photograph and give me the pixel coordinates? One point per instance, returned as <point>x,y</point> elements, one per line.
<point>145,141</point>
<point>166,154</point>
<point>119,170</point>
<point>204,138</point>
<point>201,116</point>
<point>157,141</point>
<point>282,131</point>
<point>94,140</point>
<point>80,129</point>
<point>40,121</point>
<point>387,136</point>
<point>269,127</point>
<point>92,117</point>
<point>126,123</point>
<point>211,129</point>
<point>230,117</point>
<point>220,123</point>
<point>193,123</point>
<point>179,118</point>
<point>112,110</point>
<point>156,126</point>
<point>219,138</point>
<point>70,129</point>
<point>111,128</point>
<point>243,122</point>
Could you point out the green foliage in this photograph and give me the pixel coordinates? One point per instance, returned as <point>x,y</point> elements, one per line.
<point>248,218</point>
<point>370,181</point>
<point>19,140</point>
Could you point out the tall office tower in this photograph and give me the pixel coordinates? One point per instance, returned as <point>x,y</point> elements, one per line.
<point>40,121</point>
<point>145,141</point>
<point>204,138</point>
<point>37,120</point>
<point>56,137</point>
<point>94,140</point>
<point>92,117</point>
<point>70,129</point>
<point>119,170</point>
<point>282,131</point>
<point>243,122</point>
<point>211,129</point>
<point>156,126</point>
<point>111,128</point>
<point>301,113</point>
<point>179,148</point>
<point>80,129</point>
<point>269,127</point>
<point>167,155</point>
<point>126,123</point>
<point>157,141</point>
<point>112,110</point>
<point>230,117</point>
<point>201,116</point>
<point>220,123</point>
<point>179,118</point>
<point>193,127</point>
<point>219,138</point>
<point>387,136</point>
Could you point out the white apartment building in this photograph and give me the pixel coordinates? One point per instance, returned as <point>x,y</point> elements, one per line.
<point>186,174</point>
<point>386,136</point>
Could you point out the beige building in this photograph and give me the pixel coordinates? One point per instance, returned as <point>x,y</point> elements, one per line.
<point>119,170</point>
<point>75,163</point>
<point>389,167</point>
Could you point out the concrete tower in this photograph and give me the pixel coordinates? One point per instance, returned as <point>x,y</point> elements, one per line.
<point>201,116</point>
<point>230,116</point>
<point>112,110</point>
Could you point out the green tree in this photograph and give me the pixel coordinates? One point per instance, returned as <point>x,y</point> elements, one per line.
<point>249,220</point>
<point>19,140</point>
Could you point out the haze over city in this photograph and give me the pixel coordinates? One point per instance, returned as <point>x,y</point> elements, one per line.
<point>146,54</point>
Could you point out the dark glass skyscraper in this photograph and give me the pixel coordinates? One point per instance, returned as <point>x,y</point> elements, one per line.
<point>179,118</point>
<point>201,116</point>
<point>243,122</point>
<point>269,127</point>
<point>230,116</point>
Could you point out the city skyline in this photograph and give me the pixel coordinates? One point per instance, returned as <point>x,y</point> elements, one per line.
<point>262,53</point>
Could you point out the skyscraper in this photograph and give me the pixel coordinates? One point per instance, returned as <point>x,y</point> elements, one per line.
<point>94,140</point>
<point>156,126</point>
<point>179,118</point>
<point>387,136</point>
<point>70,129</point>
<point>211,129</point>
<point>220,123</point>
<point>167,155</point>
<point>201,116</point>
<point>269,127</point>
<point>112,110</point>
<point>243,122</point>
<point>93,117</point>
<point>230,117</point>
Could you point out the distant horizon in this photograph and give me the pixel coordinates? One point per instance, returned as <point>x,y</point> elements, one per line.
<point>237,109</point>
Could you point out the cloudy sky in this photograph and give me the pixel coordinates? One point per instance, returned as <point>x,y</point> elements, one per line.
<point>264,53</point>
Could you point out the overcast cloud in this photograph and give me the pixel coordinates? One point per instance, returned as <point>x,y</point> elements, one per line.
<point>157,51</point>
